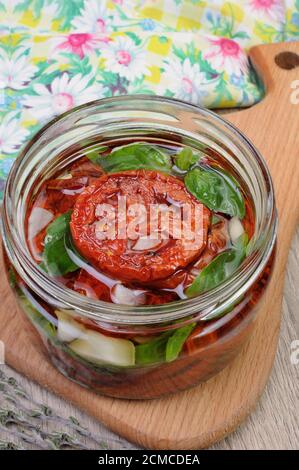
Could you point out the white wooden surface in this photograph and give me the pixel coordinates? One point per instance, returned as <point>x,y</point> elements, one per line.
<point>275,422</point>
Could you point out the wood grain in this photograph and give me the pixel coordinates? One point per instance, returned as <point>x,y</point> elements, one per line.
<point>198,417</point>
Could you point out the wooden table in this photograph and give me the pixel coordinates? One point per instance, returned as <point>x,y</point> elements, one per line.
<point>274,423</point>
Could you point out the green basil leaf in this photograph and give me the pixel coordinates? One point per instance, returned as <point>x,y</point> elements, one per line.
<point>135,157</point>
<point>55,257</point>
<point>42,266</point>
<point>58,227</point>
<point>241,243</point>
<point>186,158</point>
<point>220,268</point>
<point>39,320</point>
<point>177,340</point>
<point>166,347</point>
<point>153,351</point>
<point>12,278</point>
<point>94,154</point>
<point>216,190</point>
<point>216,272</point>
<point>251,246</point>
<point>70,246</point>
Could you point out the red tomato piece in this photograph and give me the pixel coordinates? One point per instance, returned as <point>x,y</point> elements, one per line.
<point>85,167</point>
<point>118,256</point>
<point>87,285</point>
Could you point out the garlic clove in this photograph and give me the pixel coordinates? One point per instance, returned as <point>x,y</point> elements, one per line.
<point>38,220</point>
<point>146,243</point>
<point>68,329</point>
<point>235,229</point>
<point>102,349</point>
<point>124,296</point>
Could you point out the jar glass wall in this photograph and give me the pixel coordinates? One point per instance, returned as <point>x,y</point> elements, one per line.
<point>215,324</point>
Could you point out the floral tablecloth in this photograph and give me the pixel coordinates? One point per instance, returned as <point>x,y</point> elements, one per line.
<point>57,54</point>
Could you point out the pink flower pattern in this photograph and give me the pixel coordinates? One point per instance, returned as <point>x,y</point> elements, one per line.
<point>225,55</point>
<point>79,50</point>
<point>269,9</point>
<point>79,43</point>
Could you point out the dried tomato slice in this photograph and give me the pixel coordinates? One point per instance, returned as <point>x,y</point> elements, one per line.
<point>85,167</point>
<point>87,285</point>
<point>125,258</point>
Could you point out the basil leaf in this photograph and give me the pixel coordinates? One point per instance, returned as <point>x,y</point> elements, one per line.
<point>57,261</point>
<point>241,243</point>
<point>58,227</point>
<point>176,341</point>
<point>186,158</point>
<point>39,320</point>
<point>135,157</point>
<point>153,351</point>
<point>12,278</point>
<point>220,269</point>
<point>55,257</point>
<point>42,266</point>
<point>94,155</point>
<point>216,190</point>
<point>251,246</point>
<point>166,347</point>
<point>216,272</point>
<point>70,247</point>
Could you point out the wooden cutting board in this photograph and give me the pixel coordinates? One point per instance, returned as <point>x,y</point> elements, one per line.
<point>198,417</point>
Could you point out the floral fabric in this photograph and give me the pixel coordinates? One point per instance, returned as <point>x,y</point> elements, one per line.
<point>57,54</point>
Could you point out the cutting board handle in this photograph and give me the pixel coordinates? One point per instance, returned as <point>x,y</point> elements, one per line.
<point>278,65</point>
<point>273,125</point>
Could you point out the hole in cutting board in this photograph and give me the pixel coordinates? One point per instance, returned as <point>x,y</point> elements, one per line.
<point>287,60</point>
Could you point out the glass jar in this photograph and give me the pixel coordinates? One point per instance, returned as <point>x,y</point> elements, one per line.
<point>221,319</point>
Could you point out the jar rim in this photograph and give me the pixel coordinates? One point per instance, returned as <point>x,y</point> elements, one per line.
<point>217,299</point>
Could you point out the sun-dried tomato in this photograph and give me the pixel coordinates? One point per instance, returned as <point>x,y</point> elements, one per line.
<point>117,256</point>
